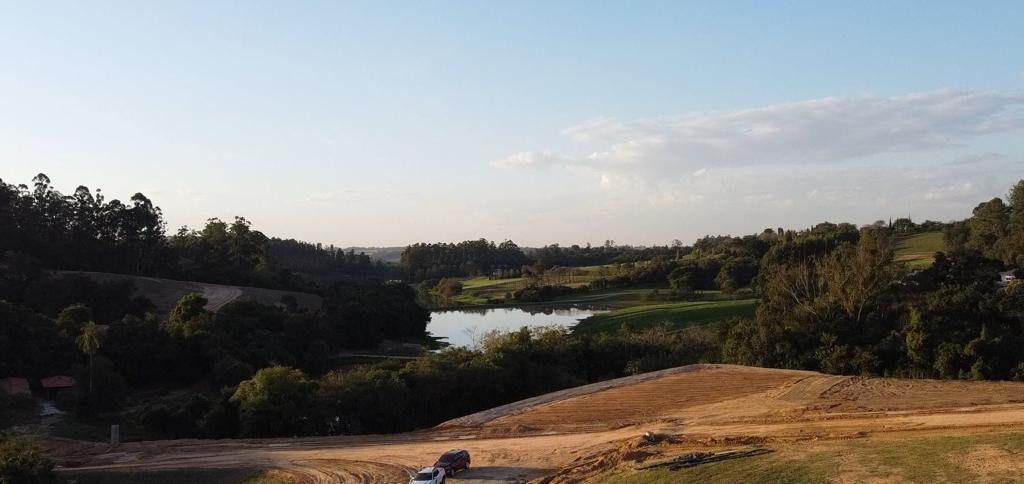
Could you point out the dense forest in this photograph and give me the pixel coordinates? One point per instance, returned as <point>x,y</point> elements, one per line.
<point>472,257</point>
<point>121,353</point>
<point>86,232</point>
<point>843,305</point>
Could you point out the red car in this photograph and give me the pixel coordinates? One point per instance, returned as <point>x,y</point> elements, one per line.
<point>453,461</point>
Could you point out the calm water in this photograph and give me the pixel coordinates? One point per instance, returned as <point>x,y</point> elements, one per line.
<point>464,326</point>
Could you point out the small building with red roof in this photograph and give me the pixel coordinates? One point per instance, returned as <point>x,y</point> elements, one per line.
<point>15,386</point>
<point>54,385</point>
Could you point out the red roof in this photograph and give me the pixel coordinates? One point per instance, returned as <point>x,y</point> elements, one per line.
<point>15,386</point>
<point>57,381</point>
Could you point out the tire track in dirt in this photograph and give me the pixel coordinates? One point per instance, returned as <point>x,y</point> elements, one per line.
<point>586,428</point>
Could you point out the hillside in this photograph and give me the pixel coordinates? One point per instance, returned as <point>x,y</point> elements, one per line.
<point>386,254</point>
<point>165,293</point>
<point>937,429</point>
<point>677,315</point>
<point>918,250</point>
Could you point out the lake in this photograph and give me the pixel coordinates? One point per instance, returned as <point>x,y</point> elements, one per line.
<point>462,327</point>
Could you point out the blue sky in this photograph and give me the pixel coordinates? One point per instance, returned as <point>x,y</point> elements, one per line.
<point>386,123</point>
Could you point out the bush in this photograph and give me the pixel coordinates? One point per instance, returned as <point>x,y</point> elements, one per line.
<point>107,391</point>
<point>276,401</point>
<point>23,462</point>
<point>228,371</point>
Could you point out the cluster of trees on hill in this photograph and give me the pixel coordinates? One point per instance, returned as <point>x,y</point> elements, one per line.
<point>555,255</point>
<point>506,260</point>
<point>728,263</point>
<point>323,264</point>
<point>845,306</point>
<point>472,257</point>
<point>82,231</point>
<point>400,396</point>
<point>85,231</point>
<point>996,229</point>
<point>107,338</point>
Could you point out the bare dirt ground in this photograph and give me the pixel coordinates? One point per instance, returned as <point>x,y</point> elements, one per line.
<point>576,434</point>
<point>165,293</point>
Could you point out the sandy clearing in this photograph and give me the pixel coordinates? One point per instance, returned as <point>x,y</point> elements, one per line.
<point>572,434</point>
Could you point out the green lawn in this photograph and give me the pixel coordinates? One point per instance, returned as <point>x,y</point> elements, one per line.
<point>918,250</point>
<point>922,459</point>
<point>678,314</point>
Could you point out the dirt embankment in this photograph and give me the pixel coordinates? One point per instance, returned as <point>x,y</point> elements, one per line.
<point>577,433</point>
<point>165,293</point>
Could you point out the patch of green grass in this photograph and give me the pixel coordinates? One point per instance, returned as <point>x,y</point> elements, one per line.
<point>922,459</point>
<point>611,298</point>
<point>677,314</point>
<point>924,242</point>
<point>767,469</point>
<point>918,250</point>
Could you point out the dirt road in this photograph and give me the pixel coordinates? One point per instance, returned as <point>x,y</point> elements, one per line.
<point>568,436</point>
<point>165,293</point>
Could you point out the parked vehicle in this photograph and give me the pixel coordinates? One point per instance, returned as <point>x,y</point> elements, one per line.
<point>453,461</point>
<point>428,475</point>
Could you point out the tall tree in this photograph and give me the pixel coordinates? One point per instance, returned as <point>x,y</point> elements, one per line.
<point>89,343</point>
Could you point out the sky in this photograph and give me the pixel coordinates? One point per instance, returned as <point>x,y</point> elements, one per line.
<point>388,123</point>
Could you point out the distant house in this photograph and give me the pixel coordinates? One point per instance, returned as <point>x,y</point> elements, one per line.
<point>15,386</point>
<point>1005,278</point>
<point>57,384</point>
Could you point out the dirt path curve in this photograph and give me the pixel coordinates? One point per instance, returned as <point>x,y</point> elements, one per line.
<point>218,295</point>
<point>577,427</point>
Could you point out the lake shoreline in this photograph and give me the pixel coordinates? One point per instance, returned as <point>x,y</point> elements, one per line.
<point>462,326</point>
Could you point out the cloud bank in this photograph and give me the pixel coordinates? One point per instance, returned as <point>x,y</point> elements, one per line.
<point>857,159</point>
<point>820,131</point>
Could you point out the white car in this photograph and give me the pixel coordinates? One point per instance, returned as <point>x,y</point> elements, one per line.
<point>428,475</point>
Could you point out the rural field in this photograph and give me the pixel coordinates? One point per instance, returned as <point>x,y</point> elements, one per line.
<point>477,290</point>
<point>794,426</point>
<point>677,315</point>
<point>918,250</point>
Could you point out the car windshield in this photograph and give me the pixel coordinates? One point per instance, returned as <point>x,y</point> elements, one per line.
<point>424,476</point>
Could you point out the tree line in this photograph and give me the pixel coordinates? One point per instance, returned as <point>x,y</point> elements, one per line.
<point>469,258</point>
<point>849,308</point>
<point>85,231</point>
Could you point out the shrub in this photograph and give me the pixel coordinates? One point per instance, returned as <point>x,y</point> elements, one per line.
<point>23,462</point>
<point>276,401</point>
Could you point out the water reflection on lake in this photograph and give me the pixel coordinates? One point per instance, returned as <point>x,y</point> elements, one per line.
<point>462,327</point>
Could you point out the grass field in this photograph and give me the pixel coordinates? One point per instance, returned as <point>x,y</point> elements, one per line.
<point>478,290</point>
<point>678,314</point>
<point>996,457</point>
<point>918,250</point>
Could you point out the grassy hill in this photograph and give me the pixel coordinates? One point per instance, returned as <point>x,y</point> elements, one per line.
<point>165,293</point>
<point>678,314</point>
<point>478,290</point>
<point>918,250</point>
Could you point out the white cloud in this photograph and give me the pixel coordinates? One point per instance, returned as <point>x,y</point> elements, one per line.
<point>530,159</point>
<point>828,130</point>
<point>853,159</point>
